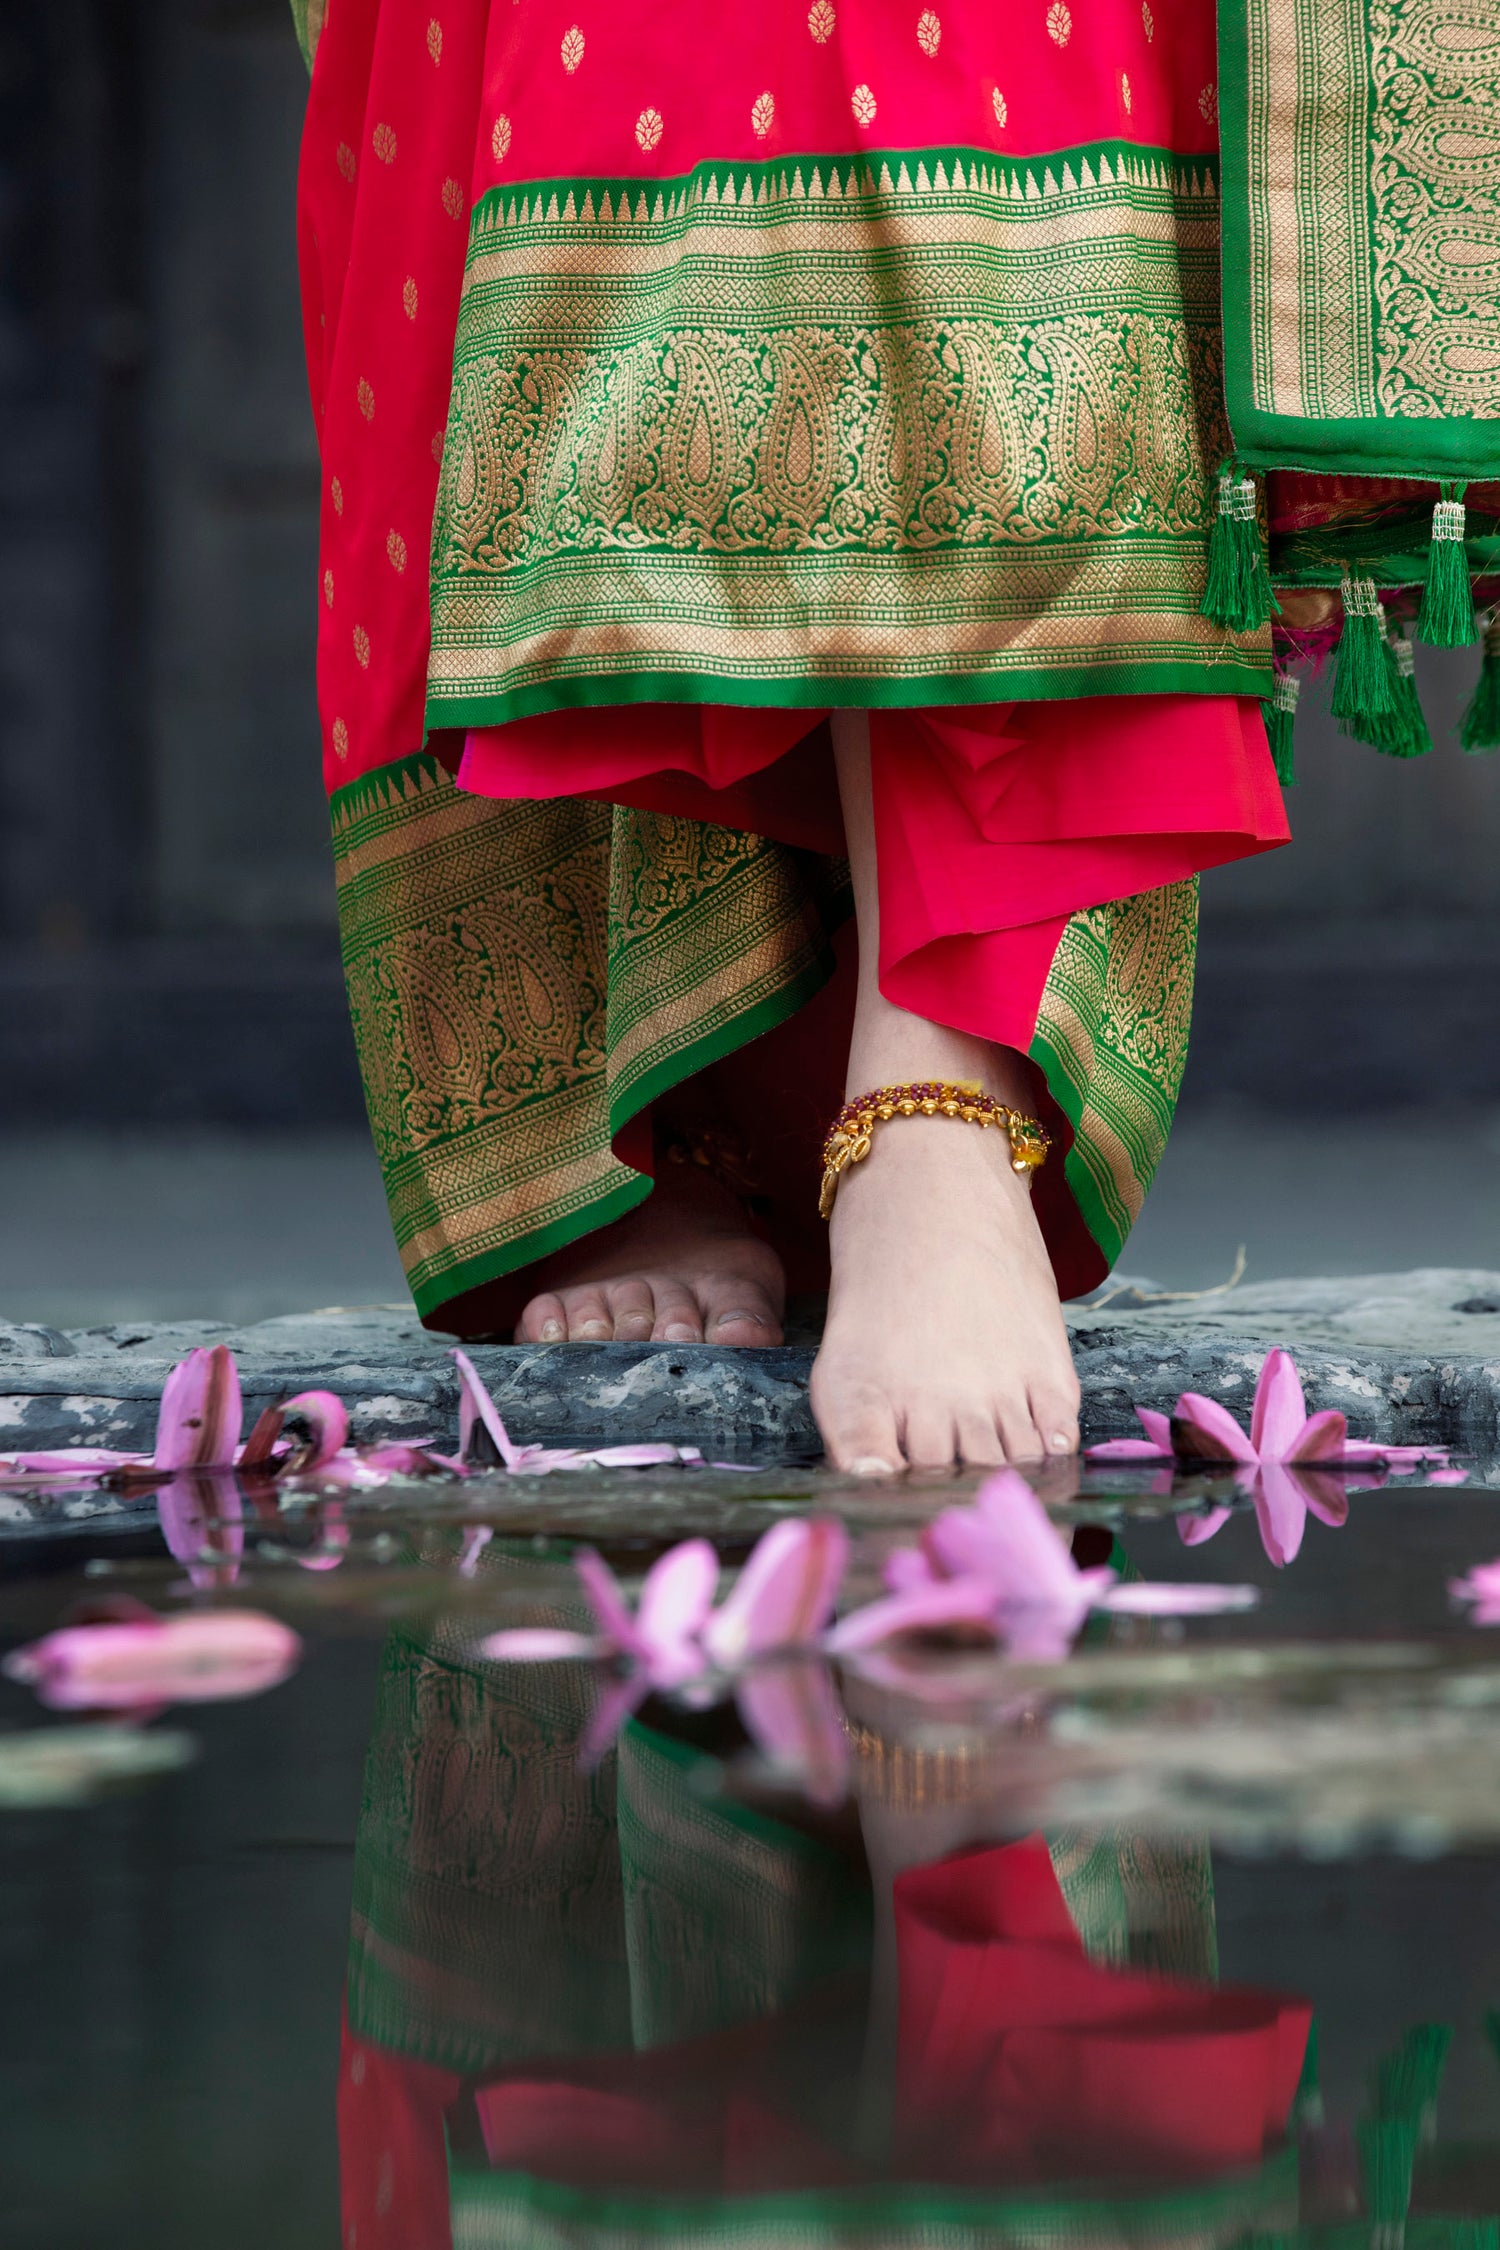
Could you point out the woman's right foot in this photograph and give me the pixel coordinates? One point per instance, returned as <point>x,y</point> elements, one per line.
<point>683,1268</point>
<point>945,1339</point>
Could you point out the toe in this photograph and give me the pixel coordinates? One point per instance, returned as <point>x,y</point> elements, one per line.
<point>979,1441</point>
<point>929,1436</point>
<point>545,1321</point>
<point>857,1424</point>
<point>632,1309</point>
<point>678,1320</point>
<point>737,1313</point>
<point>589,1319</point>
<point>1018,1433</point>
<point>1054,1415</point>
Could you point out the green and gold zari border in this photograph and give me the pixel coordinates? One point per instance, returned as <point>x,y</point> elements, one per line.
<point>1361,173</point>
<point>308,17</point>
<point>1112,1037</point>
<point>517,2211</point>
<point>908,429</point>
<point>525,977</point>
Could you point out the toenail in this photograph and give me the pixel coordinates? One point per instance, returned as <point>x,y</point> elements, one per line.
<point>868,1466</point>
<point>722,1320</point>
<point>594,1329</point>
<point>1061,1442</point>
<point>678,1332</point>
<point>553,1332</point>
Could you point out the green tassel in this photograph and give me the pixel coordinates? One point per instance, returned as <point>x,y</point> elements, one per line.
<point>1479,728</point>
<point>1446,618</point>
<point>1238,593</point>
<point>1362,677</point>
<point>1387,2161</point>
<point>1405,2084</point>
<point>1281,719</point>
<point>1403,732</point>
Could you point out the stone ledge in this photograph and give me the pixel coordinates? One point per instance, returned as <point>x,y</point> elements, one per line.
<point>1399,1353</point>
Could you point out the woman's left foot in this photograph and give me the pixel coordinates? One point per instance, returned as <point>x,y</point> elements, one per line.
<point>945,1339</point>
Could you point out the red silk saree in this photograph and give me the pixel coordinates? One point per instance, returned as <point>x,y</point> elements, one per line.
<point>677,383</point>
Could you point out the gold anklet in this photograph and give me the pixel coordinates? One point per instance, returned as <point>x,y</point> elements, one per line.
<point>850,1134</point>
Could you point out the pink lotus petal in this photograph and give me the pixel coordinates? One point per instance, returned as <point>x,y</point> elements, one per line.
<point>1399,1458</point>
<point>204,1657</point>
<point>907,1568</point>
<point>327,1421</point>
<point>956,1601</point>
<point>475,1406</point>
<point>1279,1412</point>
<point>1481,1583</point>
<point>1325,1494</point>
<point>618,1699</point>
<point>1281,1512</point>
<point>1202,1430</point>
<point>1321,1438</point>
<point>475,1539</point>
<point>83,1464</point>
<point>1041,1634</point>
<point>792,1715</point>
<point>1126,1449</point>
<point>1447,1476</point>
<point>1158,1427</point>
<point>198,1425</point>
<point>1194,1530</point>
<point>602,1591</point>
<point>537,1645</point>
<point>202,1521</point>
<point>785,1594</point>
<point>676,1598</point>
<point>1009,1538</point>
<point>334,1534</point>
<point>1151,1598</point>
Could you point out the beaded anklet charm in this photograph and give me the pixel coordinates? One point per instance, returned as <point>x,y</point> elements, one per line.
<point>852,1131</point>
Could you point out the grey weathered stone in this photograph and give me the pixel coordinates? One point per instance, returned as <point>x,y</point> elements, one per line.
<point>1399,1353</point>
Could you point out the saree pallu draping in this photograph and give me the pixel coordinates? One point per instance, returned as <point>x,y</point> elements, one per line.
<point>1361,183</point>
<point>730,372</point>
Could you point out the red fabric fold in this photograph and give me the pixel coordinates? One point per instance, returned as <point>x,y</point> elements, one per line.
<point>995,823</point>
<point>1016,2053</point>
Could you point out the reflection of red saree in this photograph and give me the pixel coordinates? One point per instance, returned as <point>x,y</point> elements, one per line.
<point>853,367</point>
<point>1019,2060</point>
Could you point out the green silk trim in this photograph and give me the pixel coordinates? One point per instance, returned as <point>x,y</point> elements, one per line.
<point>1112,1040</point>
<point>1361,188</point>
<point>1228,670</point>
<point>308,17</point>
<point>911,428</point>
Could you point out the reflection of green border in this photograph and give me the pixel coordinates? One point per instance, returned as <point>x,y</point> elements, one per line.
<point>1379,445</point>
<point>520,2212</point>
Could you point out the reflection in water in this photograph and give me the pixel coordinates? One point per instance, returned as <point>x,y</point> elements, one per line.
<point>586,2005</point>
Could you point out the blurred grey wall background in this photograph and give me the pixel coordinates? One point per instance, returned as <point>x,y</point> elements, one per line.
<point>167,941</point>
<point>166,908</point>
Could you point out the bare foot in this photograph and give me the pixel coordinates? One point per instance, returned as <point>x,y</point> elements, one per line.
<point>945,1339</point>
<point>683,1268</point>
